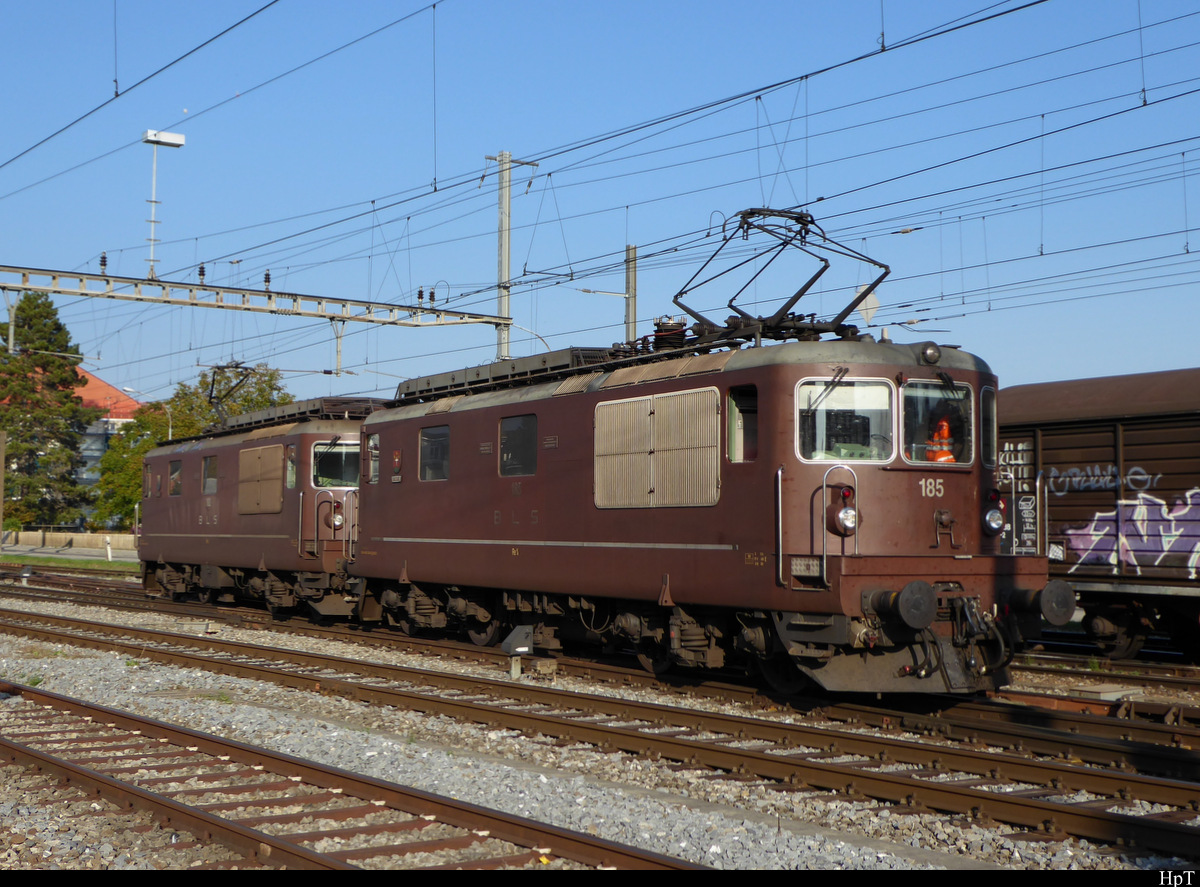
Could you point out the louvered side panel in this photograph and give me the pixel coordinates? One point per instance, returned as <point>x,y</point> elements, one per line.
<point>622,440</point>
<point>687,438</point>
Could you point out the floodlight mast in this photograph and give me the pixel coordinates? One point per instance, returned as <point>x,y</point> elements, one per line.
<point>157,137</point>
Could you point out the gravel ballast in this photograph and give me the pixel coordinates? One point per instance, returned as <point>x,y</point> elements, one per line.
<point>723,823</point>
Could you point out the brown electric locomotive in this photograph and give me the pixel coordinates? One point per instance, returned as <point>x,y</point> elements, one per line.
<point>262,507</point>
<point>824,510</point>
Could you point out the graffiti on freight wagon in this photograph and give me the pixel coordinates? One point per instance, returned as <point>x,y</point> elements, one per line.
<point>1141,533</point>
<point>1099,477</point>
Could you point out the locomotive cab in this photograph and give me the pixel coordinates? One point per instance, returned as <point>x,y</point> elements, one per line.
<point>900,538</point>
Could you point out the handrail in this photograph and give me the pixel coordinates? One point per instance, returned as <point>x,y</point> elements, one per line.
<point>300,528</point>
<point>779,575</point>
<point>350,503</point>
<point>825,522</point>
<point>1042,497</point>
<point>317,517</point>
<point>350,528</point>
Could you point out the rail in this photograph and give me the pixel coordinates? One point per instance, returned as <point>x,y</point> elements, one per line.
<point>1059,807</point>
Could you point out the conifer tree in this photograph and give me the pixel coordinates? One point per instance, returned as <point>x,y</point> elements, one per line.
<point>44,417</point>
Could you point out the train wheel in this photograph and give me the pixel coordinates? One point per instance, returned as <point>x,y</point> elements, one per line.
<point>398,622</point>
<point>1125,644</point>
<point>484,634</point>
<point>654,659</point>
<point>782,675</point>
<point>1118,632</point>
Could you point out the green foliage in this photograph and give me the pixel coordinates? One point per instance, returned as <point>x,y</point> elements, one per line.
<point>44,418</point>
<point>120,486</point>
<point>190,410</point>
<point>228,392</point>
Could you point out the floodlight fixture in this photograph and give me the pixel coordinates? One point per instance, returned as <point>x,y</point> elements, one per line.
<point>166,139</point>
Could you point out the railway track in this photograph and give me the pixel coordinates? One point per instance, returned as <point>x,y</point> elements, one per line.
<point>1162,720</point>
<point>277,811</point>
<point>1172,677</point>
<point>1054,796</point>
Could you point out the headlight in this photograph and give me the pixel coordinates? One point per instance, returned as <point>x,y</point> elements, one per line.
<point>847,520</point>
<point>993,521</point>
<point>338,521</point>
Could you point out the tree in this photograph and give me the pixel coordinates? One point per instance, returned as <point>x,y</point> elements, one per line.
<point>188,412</point>
<point>44,417</point>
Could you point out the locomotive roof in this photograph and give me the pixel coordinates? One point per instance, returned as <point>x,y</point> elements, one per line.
<point>265,433</point>
<point>287,416</point>
<point>1109,397</point>
<point>580,369</point>
<point>300,410</point>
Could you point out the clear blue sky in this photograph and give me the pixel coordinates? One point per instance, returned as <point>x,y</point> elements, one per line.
<point>1045,164</point>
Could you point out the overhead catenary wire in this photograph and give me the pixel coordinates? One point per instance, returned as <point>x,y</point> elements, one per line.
<point>855,217</point>
<point>144,80</point>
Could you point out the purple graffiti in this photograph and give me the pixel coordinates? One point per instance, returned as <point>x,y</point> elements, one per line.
<point>1142,532</point>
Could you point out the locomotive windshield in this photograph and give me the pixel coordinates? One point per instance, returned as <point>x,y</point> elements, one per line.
<point>846,421</point>
<point>335,464</point>
<point>937,423</point>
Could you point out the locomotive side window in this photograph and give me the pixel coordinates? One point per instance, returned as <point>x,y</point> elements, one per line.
<point>937,423</point>
<point>742,432</point>
<point>845,421</point>
<point>289,475</point>
<point>146,484</point>
<point>209,475</point>
<point>988,426</point>
<point>175,478</point>
<point>335,463</point>
<point>371,459</point>
<point>518,446</point>
<point>434,461</point>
